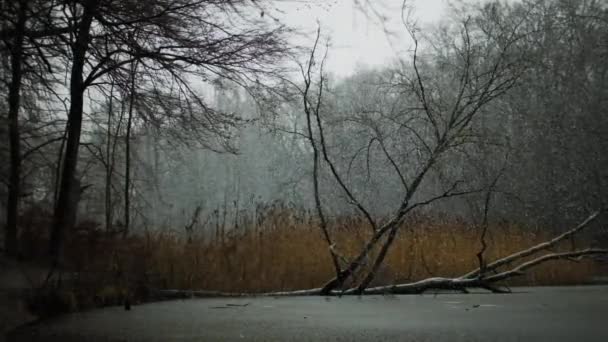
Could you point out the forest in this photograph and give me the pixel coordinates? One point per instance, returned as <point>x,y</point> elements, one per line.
<point>168,148</point>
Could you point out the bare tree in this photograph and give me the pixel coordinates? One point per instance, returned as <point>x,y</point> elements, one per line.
<point>14,98</point>
<point>127,191</point>
<point>444,118</point>
<point>110,160</point>
<point>24,37</point>
<point>181,40</point>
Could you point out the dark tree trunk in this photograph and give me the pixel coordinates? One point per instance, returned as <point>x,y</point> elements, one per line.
<point>109,164</point>
<point>379,259</point>
<point>66,208</point>
<point>128,153</point>
<point>58,165</point>
<point>14,98</point>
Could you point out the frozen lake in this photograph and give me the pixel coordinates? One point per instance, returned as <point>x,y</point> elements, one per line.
<point>529,314</point>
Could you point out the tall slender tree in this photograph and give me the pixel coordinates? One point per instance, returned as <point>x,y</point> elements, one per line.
<point>14,98</point>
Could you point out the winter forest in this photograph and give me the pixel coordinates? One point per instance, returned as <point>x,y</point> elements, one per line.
<point>173,145</point>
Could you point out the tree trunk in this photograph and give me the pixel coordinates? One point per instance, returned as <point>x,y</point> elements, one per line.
<point>379,259</point>
<point>57,170</point>
<point>14,97</point>
<point>65,208</point>
<point>128,153</point>
<point>109,164</point>
<point>346,273</point>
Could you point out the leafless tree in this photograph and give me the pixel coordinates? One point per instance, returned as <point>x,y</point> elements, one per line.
<point>474,69</point>
<point>24,34</point>
<point>14,98</point>
<point>174,42</point>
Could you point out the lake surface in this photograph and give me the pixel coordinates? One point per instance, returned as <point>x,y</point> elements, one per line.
<point>529,314</point>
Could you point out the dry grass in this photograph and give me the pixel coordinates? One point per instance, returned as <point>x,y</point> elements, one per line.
<point>285,250</point>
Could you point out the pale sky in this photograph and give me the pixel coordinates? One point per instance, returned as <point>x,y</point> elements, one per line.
<point>357,39</point>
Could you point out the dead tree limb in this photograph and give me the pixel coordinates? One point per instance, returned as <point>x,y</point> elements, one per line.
<point>461,284</point>
<point>535,249</point>
<point>519,270</point>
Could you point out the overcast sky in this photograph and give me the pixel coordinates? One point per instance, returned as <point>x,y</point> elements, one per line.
<point>357,37</point>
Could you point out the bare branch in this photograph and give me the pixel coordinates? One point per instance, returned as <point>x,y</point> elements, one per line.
<point>311,138</point>
<point>323,144</point>
<point>535,249</point>
<point>517,271</point>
